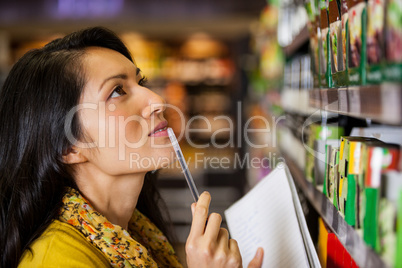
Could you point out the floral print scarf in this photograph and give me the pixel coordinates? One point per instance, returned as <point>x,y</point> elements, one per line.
<point>142,245</point>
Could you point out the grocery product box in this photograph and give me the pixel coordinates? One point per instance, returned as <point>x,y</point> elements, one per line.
<point>393,41</point>
<point>350,166</point>
<point>322,242</point>
<point>375,40</point>
<point>376,161</point>
<point>357,22</point>
<point>313,25</point>
<point>336,254</point>
<point>390,215</point>
<point>324,47</point>
<point>319,165</point>
<point>332,174</point>
<point>318,137</point>
<point>338,17</point>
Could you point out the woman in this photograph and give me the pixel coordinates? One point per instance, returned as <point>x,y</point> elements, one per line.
<point>72,113</point>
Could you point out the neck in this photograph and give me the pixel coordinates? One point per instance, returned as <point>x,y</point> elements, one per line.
<point>115,197</point>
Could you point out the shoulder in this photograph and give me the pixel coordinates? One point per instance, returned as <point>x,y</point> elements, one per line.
<point>61,245</point>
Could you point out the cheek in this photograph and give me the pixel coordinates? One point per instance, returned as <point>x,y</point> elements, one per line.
<point>90,123</point>
<point>120,130</point>
<point>132,130</point>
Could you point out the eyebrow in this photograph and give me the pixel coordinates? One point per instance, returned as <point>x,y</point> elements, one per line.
<point>117,76</point>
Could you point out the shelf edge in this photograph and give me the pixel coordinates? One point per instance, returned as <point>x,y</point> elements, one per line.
<point>380,103</point>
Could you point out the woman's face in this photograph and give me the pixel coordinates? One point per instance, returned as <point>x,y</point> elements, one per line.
<point>122,119</point>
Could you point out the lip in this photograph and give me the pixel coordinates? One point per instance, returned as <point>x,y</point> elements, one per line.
<point>160,126</point>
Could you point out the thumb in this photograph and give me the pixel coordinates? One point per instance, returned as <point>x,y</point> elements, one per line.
<point>256,262</point>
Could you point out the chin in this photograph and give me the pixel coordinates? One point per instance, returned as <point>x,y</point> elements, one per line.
<point>156,159</point>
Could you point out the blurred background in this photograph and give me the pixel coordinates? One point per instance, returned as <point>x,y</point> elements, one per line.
<point>279,61</point>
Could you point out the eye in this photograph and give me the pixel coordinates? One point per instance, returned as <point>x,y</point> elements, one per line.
<point>143,81</point>
<point>117,92</point>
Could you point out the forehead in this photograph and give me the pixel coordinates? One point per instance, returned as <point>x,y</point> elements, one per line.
<point>101,61</point>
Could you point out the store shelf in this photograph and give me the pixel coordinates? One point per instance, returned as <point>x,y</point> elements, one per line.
<point>361,254</point>
<point>297,42</point>
<point>381,103</point>
<point>298,102</point>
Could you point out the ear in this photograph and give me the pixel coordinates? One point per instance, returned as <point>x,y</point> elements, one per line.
<point>74,156</point>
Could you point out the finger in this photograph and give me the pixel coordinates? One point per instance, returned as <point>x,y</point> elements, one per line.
<point>213,226</point>
<point>235,253</point>
<point>256,262</point>
<point>233,246</point>
<point>223,239</point>
<point>193,205</point>
<point>200,215</point>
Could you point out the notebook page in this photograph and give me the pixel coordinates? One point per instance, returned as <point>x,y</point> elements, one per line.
<point>265,217</point>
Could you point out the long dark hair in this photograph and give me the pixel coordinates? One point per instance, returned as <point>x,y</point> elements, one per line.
<point>40,90</point>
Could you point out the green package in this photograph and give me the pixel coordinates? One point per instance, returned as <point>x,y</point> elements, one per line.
<point>331,156</point>
<point>378,159</point>
<point>327,168</point>
<point>375,40</point>
<point>335,32</point>
<point>323,134</point>
<point>398,260</point>
<point>371,218</point>
<point>391,188</point>
<point>340,40</point>
<point>357,42</point>
<point>393,40</point>
<point>324,46</point>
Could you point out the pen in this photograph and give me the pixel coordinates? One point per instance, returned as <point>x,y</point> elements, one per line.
<point>183,165</point>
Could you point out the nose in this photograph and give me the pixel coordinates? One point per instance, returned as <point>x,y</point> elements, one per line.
<point>156,105</point>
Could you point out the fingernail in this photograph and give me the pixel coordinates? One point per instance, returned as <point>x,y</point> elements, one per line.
<point>259,252</point>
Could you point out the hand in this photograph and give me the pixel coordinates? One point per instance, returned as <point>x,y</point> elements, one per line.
<point>208,245</point>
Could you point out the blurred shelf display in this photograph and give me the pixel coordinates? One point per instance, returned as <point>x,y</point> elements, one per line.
<point>291,25</point>
<point>300,40</point>
<point>265,69</point>
<point>381,103</point>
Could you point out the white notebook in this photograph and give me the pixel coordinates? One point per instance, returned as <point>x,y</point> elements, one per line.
<point>270,216</point>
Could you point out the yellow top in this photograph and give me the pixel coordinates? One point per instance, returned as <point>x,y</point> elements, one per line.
<point>82,237</point>
<point>61,245</point>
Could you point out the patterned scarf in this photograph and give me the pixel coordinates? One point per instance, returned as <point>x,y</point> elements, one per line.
<point>143,245</point>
